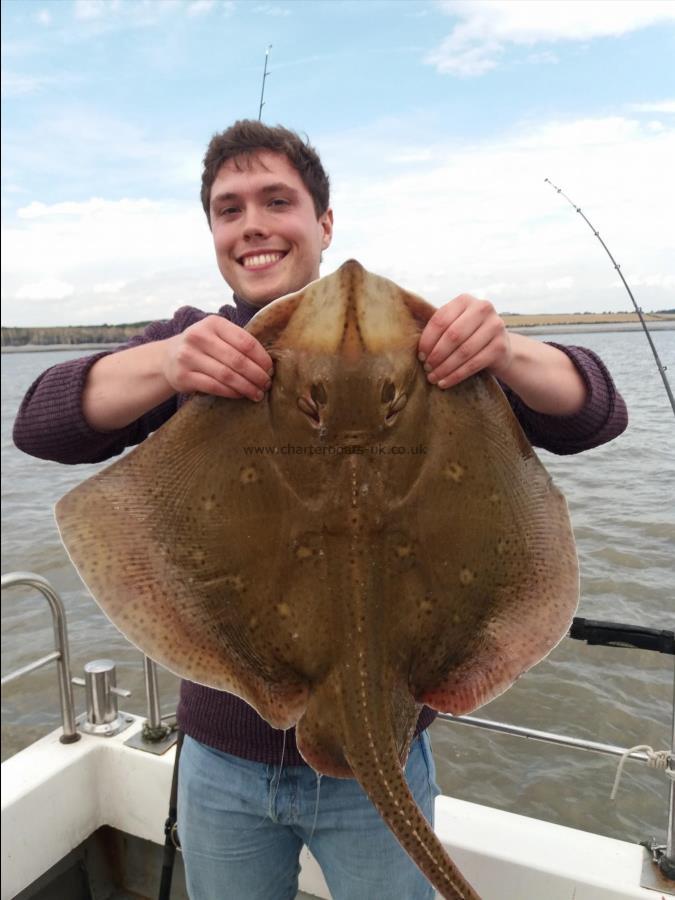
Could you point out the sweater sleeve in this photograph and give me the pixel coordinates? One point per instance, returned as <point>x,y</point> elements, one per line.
<point>50,423</point>
<point>602,417</point>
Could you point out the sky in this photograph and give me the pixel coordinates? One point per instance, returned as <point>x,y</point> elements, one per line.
<point>437,120</point>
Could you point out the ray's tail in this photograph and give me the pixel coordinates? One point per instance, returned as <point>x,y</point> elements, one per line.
<point>377,768</point>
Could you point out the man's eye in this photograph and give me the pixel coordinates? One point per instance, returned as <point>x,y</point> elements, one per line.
<point>229,211</point>
<point>278,201</point>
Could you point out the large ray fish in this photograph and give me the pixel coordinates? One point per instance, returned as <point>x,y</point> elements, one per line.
<point>354,546</point>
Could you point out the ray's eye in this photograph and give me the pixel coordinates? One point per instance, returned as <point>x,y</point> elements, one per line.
<point>395,408</point>
<point>388,392</point>
<point>398,405</point>
<point>309,408</point>
<point>318,393</point>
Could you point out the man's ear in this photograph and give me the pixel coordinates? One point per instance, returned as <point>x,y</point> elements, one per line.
<point>326,222</point>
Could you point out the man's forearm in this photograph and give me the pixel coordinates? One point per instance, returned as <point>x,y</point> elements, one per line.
<point>543,377</point>
<point>123,386</point>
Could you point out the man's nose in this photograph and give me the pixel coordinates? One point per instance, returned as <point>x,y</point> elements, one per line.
<point>254,223</point>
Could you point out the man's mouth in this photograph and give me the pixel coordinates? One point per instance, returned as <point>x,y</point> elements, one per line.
<point>261,260</point>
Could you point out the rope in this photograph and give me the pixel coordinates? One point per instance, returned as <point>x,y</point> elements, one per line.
<point>656,759</point>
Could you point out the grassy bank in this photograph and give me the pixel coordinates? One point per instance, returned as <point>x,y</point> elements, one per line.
<point>527,320</point>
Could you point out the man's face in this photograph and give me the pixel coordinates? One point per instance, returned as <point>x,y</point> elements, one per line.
<point>267,238</point>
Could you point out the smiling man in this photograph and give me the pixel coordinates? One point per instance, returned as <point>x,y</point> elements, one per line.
<point>247,800</point>
<point>268,231</point>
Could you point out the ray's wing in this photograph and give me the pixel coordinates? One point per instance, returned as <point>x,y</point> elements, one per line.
<point>182,542</point>
<point>496,581</point>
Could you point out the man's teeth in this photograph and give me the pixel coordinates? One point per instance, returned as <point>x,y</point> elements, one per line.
<point>263,259</point>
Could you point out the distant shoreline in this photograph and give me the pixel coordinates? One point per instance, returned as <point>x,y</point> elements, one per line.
<point>592,327</point>
<point>528,320</point>
<point>560,323</point>
<point>54,348</point>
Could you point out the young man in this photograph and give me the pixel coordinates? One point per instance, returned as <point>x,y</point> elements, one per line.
<point>247,801</point>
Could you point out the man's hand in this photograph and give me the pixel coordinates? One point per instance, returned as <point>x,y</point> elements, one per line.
<point>215,356</point>
<point>466,335</point>
<point>461,338</point>
<point>212,356</point>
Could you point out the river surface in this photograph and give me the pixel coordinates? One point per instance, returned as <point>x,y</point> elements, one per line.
<point>622,502</point>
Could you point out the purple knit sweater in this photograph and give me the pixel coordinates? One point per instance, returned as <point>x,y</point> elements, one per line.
<point>50,425</point>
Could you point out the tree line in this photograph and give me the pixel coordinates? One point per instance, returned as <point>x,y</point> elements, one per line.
<point>70,334</point>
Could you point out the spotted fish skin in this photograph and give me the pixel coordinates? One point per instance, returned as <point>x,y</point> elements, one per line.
<point>356,545</point>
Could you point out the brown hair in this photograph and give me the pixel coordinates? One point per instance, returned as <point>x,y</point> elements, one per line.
<point>245,139</point>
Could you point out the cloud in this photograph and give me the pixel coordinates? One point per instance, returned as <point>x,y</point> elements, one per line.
<point>86,10</point>
<point>43,17</point>
<point>486,28</point>
<point>9,188</point>
<point>560,284</point>
<point>479,214</point>
<point>542,57</point>
<point>199,7</point>
<point>109,287</point>
<point>101,16</point>
<point>49,289</point>
<point>494,291</point>
<point>414,155</point>
<point>130,259</point>
<point>443,218</point>
<point>658,106</point>
<point>88,210</point>
<point>80,146</point>
<point>17,85</point>
<point>269,9</point>
<point>657,279</point>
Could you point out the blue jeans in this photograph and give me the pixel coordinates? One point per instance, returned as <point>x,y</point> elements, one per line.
<point>242,825</point>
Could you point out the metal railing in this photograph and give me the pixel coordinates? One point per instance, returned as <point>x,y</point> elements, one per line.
<point>548,737</point>
<point>60,655</point>
<point>592,746</point>
<point>152,692</point>
<point>609,634</point>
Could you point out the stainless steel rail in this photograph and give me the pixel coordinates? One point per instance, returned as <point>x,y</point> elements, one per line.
<point>665,855</point>
<point>152,692</point>
<point>547,737</point>
<point>60,655</point>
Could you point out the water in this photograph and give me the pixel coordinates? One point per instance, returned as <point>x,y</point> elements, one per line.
<point>621,498</point>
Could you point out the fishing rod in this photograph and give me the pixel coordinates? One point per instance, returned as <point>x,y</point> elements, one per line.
<point>595,231</point>
<point>264,79</point>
